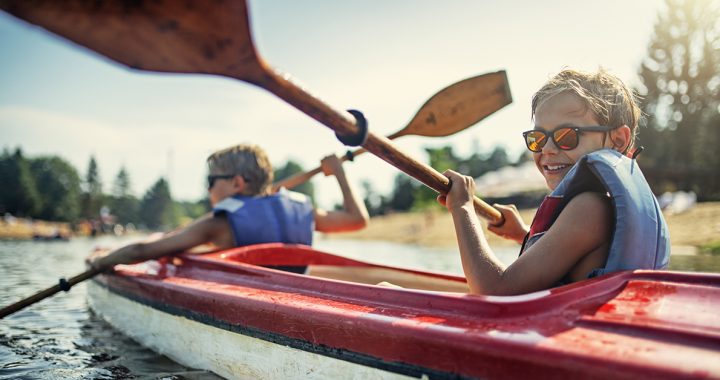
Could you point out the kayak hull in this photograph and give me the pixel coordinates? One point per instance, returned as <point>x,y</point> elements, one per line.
<point>226,352</point>
<point>236,313</point>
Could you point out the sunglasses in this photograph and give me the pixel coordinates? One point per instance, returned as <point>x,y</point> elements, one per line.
<point>212,178</point>
<point>565,138</point>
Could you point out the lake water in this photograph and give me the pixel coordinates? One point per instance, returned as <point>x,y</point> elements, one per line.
<point>59,338</point>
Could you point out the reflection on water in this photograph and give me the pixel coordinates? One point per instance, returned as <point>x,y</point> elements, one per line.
<point>59,338</point>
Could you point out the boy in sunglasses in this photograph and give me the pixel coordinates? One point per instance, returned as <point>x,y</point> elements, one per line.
<point>246,212</point>
<point>601,215</point>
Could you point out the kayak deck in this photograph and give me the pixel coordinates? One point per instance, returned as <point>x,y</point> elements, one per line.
<point>637,324</point>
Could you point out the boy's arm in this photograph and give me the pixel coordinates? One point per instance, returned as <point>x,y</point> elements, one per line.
<point>354,214</point>
<point>581,233</point>
<point>203,230</point>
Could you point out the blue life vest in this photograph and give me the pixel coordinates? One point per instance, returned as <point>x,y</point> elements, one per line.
<point>283,217</point>
<point>640,236</point>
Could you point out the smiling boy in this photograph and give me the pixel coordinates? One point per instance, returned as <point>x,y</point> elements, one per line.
<point>601,215</point>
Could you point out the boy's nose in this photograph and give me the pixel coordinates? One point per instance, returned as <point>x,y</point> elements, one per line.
<point>550,146</point>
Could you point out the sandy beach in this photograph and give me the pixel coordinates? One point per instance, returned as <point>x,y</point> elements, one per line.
<point>688,230</point>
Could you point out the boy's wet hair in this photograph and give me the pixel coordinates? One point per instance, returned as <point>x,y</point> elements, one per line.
<point>247,161</point>
<point>604,94</point>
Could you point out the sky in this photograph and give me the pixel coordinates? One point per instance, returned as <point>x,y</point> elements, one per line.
<point>383,58</point>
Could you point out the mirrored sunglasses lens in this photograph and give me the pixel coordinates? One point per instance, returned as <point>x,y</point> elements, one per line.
<point>535,140</point>
<point>565,138</point>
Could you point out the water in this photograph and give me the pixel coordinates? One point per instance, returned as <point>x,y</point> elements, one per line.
<point>59,338</point>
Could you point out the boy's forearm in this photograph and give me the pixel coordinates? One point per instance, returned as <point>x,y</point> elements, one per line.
<point>482,269</point>
<point>129,254</point>
<point>351,203</point>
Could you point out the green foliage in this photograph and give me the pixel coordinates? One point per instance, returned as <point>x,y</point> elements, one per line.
<point>374,202</point>
<point>402,198</point>
<point>50,188</point>
<point>291,168</point>
<point>192,210</point>
<point>409,194</point>
<point>92,196</point>
<point>157,209</point>
<point>712,248</point>
<point>18,193</point>
<point>121,185</point>
<point>681,90</point>
<point>478,164</point>
<point>58,184</point>
<point>122,203</point>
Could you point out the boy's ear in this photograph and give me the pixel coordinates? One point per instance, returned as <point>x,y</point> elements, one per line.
<point>620,138</point>
<point>239,184</point>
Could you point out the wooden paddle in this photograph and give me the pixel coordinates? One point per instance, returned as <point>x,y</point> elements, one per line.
<point>207,38</point>
<point>63,285</point>
<point>451,110</point>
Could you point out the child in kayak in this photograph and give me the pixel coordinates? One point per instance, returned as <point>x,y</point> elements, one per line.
<point>601,215</point>
<point>246,212</point>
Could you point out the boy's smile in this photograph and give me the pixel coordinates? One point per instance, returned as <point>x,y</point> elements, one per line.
<point>562,110</point>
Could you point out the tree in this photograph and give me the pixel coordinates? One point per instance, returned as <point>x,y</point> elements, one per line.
<point>403,195</point>
<point>157,207</point>
<point>18,193</point>
<point>681,86</point>
<point>188,211</point>
<point>122,203</point>
<point>440,159</point>
<point>58,183</point>
<point>92,197</point>
<point>121,185</point>
<point>374,202</point>
<point>291,167</point>
<point>479,163</point>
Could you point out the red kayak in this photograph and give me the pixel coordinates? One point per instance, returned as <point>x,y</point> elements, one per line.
<point>286,311</point>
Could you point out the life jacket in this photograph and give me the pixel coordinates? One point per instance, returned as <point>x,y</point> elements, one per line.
<point>283,217</point>
<point>640,238</point>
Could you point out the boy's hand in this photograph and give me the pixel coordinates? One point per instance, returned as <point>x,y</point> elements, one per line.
<point>104,259</point>
<point>331,165</point>
<point>97,258</point>
<point>514,227</point>
<point>461,192</point>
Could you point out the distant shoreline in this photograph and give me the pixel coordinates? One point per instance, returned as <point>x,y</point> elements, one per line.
<point>688,230</point>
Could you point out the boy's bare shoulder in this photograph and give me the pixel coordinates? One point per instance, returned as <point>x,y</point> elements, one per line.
<point>586,209</point>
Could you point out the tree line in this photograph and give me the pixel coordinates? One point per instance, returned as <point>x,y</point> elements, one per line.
<point>680,93</point>
<point>50,188</point>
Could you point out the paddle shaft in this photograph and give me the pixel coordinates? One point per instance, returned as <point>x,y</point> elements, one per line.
<point>342,124</point>
<point>450,110</point>
<point>17,306</point>
<point>300,178</point>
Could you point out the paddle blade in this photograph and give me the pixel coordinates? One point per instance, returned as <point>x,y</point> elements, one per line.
<point>460,106</point>
<point>160,35</point>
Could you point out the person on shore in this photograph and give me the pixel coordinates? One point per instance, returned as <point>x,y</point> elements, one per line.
<point>245,211</point>
<point>601,215</point>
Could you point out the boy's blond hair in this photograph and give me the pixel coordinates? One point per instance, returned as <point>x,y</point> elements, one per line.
<point>604,94</point>
<point>247,161</point>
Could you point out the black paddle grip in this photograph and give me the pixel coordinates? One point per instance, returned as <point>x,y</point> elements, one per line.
<point>64,285</point>
<point>358,138</point>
